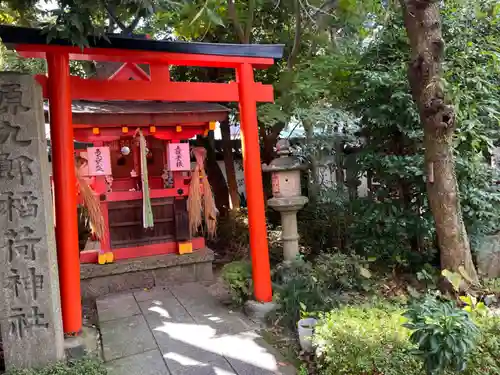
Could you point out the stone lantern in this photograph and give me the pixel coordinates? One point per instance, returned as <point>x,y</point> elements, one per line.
<point>287,198</point>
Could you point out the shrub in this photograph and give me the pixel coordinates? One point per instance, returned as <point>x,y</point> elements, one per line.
<point>238,276</point>
<point>363,340</point>
<point>317,286</point>
<point>296,288</point>
<point>371,227</point>
<point>443,334</point>
<point>322,226</point>
<point>338,271</point>
<point>370,340</point>
<point>80,367</point>
<point>486,357</point>
<point>232,239</point>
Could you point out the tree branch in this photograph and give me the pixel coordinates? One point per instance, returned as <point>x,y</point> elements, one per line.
<point>125,30</point>
<point>114,18</point>
<point>298,35</point>
<point>276,129</point>
<point>133,24</point>
<point>236,23</point>
<point>249,24</point>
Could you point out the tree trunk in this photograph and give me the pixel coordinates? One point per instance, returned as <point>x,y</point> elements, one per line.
<point>229,164</point>
<point>339,163</point>
<point>313,188</point>
<point>269,139</point>
<point>423,26</point>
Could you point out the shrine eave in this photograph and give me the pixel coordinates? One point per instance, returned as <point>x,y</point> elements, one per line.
<point>32,42</point>
<point>141,113</point>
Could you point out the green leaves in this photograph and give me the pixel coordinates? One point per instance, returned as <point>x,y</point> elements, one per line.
<point>238,277</point>
<point>85,366</point>
<point>214,18</point>
<point>444,336</point>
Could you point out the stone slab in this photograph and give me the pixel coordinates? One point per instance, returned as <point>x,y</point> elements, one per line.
<point>146,273</point>
<point>153,293</point>
<point>178,274</point>
<point>147,363</point>
<point>206,310</point>
<point>250,354</point>
<point>125,337</point>
<point>188,340</point>
<point>176,332</point>
<point>30,313</point>
<point>204,272</point>
<point>187,325</point>
<point>488,256</point>
<point>101,286</point>
<point>116,307</point>
<point>89,271</point>
<point>182,365</point>
<point>166,308</point>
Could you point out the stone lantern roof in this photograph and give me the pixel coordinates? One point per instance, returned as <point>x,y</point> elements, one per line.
<point>286,161</point>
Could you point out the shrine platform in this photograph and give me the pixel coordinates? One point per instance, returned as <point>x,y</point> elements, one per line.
<point>181,330</point>
<point>145,272</point>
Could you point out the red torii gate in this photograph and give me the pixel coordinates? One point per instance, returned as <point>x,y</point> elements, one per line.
<point>60,88</point>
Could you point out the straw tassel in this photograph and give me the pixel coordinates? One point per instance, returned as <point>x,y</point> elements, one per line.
<point>201,203</point>
<point>93,206</point>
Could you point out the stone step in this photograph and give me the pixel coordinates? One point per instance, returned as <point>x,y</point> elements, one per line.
<point>148,272</point>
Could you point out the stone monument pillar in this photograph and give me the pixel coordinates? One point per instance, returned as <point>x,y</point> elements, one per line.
<point>30,314</point>
<point>287,198</point>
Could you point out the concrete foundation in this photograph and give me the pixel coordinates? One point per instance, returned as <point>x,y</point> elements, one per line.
<point>148,272</point>
<point>258,311</point>
<point>86,344</point>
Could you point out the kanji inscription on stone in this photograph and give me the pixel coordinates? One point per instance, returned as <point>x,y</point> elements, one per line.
<point>11,99</point>
<point>30,316</point>
<point>25,320</point>
<point>20,244</point>
<point>15,168</point>
<point>24,205</point>
<point>16,283</point>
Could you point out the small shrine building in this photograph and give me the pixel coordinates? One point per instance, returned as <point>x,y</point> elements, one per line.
<point>140,101</point>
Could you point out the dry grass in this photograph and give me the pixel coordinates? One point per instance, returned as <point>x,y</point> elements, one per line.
<point>201,200</point>
<point>92,204</point>
<point>194,201</point>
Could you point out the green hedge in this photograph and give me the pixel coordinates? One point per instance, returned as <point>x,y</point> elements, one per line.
<point>80,367</point>
<point>366,340</point>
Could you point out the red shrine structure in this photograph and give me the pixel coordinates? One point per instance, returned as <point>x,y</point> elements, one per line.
<point>107,111</point>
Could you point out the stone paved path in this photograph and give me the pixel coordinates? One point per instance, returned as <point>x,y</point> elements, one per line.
<point>181,330</point>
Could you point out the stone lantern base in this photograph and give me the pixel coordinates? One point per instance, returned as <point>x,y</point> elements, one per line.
<point>288,208</point>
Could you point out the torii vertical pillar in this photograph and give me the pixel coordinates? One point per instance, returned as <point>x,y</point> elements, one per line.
<point>261,270</point>
<point>65,193</point>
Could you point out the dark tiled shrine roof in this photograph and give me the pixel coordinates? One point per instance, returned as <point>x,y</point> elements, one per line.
<point>24,35</point>
<point>142,107</point>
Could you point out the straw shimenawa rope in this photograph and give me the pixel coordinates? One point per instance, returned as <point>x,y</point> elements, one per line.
<point>201,200</point>
<point>90,202</point>
<point>147,210</point>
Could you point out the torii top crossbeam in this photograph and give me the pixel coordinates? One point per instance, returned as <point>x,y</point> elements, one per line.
<point>61,88</point>
<point>159,55</point>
